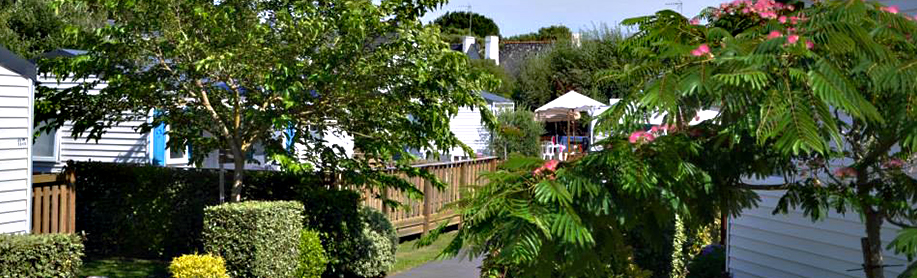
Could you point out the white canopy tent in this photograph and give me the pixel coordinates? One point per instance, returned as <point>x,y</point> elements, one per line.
<point>567,108</point>
<point>701,116</point>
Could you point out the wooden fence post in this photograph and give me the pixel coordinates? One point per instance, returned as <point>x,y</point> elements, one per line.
<point>427,204</point>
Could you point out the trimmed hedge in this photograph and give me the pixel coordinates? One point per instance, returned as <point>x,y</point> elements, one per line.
<point>51,255</point>
<point>143,211</point>
<point>312,259</point>
<point>257,239</point>
<point>198,266</point>
<point>376,250</point>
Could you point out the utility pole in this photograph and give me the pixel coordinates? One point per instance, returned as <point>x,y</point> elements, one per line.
<point>678,5</point>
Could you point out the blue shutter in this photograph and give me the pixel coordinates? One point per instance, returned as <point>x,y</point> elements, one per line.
<point>289,132</point>
<point>159,145</point>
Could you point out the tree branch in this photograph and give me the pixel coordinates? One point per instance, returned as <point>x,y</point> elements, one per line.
<point>741,185</point>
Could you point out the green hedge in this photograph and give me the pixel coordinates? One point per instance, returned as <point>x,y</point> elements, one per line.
<point>53,255</point>
<point>143,211</point>
<point>375,252</point>
<point>257,239</point>
<point>312,258</point>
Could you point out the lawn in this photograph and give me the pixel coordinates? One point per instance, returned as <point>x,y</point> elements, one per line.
<point>125,268</point>
<point>408,256</point>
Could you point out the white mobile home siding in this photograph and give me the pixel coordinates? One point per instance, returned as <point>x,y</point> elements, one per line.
<point>16,93</point>
<point>120,144</point>
<point>764,245</point>
<point>467,127</point>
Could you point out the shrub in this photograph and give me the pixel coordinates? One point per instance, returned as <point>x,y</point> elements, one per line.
<point>198,266</point>
<point>143,211</point>
<point>375,250</point>
<point>335,215</point>
<point>710,263</point>
<point>53,255</point>
<point>257,239</point>
<point>517,132</point>
<point>312,259</point>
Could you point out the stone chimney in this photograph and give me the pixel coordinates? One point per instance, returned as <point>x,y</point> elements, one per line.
<point>576,39</point>
<point>467,42</point>
<point>492,48</point>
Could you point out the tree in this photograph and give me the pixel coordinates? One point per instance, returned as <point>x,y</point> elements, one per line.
<point>550,33</point>
<point>32,27</point>
<point>507,82</point>
<point>566,67</point>
<point>517,133</point>
<point>829,88</point>
<point>467,23</point>
<point>232,74</point>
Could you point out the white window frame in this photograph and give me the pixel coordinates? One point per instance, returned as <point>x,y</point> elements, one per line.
<point>55,157</point>
<point>175,161</point>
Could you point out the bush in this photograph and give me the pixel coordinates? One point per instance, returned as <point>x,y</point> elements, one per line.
<point>375,253</point>
<point>53,255</point>
<point>517,132</point>
<point>198,266</point>
<point>710,263</point>
<point>143,211</point>
<point>257,239</point>
<point>312,259</point>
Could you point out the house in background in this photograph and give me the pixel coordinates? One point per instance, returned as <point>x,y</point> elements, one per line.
<point>17,91</point>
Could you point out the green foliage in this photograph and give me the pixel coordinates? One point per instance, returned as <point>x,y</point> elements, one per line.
<point>574,221</point>
<point>517,133</point>
<point>143,211</point>
<point>257,239</point>
<point>198,266</point>
<point>32,27</point>
<point>51,255</point>
<point>242,71</point>
<point>566,67</point>
<point>335,215</point>
<point>710,263</point>
<point>312,259</point>
<point>377,245</point>
<point>550,33</point>
<point>826,98</point>
<point>457,23</point>
<point>507,82</point>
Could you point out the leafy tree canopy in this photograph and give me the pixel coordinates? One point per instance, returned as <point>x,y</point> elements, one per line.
<point>33,27</point>
<point>550,33</point>
<point>566,67</point>
<point>457,23</point>
<point>235,73</point>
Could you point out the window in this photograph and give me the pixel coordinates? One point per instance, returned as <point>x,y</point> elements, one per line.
<point>46,147</point>
<point>176,156</point>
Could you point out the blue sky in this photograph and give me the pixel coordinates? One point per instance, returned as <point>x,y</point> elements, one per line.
<point>524,16</point>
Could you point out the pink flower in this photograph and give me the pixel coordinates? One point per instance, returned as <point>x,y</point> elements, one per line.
<point>659,129</point>
<point>845,172</point>
<point>782,19</point>
<point>695,21</point>
<point>551,165</point>
<point>640,137</point>
<point>890,9</point>
<point>774,34</point>
<point>794,20</point>
<point>810,44</point>
<point>791,39</point>
<point>894,163</point>
<point>701,50</point>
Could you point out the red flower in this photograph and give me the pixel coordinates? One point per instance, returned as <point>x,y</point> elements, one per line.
<point>791,39</point>
<point>774,34</point>
<point>890,9</point>
<point>810,44</point>
<point>701,50</point>
<point>640,137</point>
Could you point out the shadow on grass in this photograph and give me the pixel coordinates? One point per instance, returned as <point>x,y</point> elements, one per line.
<point>124,268</point>
<point>408,256</point>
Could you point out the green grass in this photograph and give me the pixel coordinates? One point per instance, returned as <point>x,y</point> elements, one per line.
<point>408,256</point>
<point>125,268</point>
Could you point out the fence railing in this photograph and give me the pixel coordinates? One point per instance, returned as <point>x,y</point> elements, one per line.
<point>422,215</point>
<point>53,203</point>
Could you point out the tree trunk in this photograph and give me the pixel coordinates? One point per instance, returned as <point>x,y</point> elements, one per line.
<point>237,175</point>
<point>872,247</point>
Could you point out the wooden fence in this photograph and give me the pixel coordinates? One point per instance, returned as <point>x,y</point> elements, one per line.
<point>53,203</point>
<point>421,216</point>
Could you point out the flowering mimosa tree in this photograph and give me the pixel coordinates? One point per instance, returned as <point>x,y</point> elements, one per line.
<point>831,87</point>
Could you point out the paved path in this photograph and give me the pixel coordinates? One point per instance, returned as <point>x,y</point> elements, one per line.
<point>458,267</point>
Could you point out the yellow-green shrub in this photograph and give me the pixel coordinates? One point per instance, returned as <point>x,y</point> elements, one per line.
<point>198,266</point>
<point>312,259</point>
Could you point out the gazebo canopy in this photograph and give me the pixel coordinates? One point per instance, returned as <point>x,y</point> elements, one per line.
<point>567,107</point>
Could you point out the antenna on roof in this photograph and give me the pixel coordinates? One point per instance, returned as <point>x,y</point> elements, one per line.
<point>677,3</point>
<point>469,17</point>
